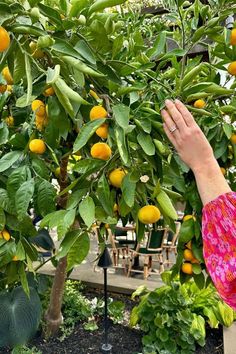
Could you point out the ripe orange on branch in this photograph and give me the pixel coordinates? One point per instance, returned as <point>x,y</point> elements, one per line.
<point>101,151</point>
<point>97,112</point>
<point>4,39</point>
<point>49,92</point>
<point>7,75</point>
<point>187,268</point>
<point>233,37</point>
<point>3,88</point>
<point>37,146</point>
<point>232,68</point>
<point>38,107</point>
<point>102,131</point>
<point>233,138</point>
<point>116,177</point>
<point>149,214</point>
<point>199,104</point>
<point>5,234</point>
<point>188,255</point>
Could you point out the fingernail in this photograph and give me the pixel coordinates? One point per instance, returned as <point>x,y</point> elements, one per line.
<point>167,101</point>
<point>177,101</point>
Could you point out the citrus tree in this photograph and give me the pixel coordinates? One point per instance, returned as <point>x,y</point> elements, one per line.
<point>81,133</point>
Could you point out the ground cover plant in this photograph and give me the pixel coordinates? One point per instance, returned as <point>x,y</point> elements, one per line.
<point>81,136</point>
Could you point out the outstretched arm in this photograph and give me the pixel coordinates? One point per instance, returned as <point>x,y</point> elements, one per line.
<point>195,150</point>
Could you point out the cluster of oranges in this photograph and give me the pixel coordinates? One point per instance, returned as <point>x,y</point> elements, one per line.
<point>189,259</point>
<point>231,70</point>
<point>100,150</point>
<point>40,111</point>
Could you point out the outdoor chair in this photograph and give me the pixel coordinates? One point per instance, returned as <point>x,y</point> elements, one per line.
<point>152,252</point>
<point>121,236</point>
<point>170,244</point>
<point>118,251</point>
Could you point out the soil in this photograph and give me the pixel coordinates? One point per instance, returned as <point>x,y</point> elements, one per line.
<point>123,339</point>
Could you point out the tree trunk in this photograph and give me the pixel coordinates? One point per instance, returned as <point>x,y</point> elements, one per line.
<point>53,315</point>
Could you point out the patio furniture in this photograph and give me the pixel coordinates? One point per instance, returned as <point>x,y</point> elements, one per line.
<point>117,249</point>
<point>152,252</point>
<point>170,244</point>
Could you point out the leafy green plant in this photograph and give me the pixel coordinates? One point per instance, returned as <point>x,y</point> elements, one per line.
<point>77,307</point>
<point>174,316</point>
<point>20,316</point>
<point>25,350</point>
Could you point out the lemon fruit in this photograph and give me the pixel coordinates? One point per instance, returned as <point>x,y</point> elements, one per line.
<point>37,146</point>
<point>149,214</point>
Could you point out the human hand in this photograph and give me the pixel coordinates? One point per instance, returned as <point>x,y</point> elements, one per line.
<point>186,136</point>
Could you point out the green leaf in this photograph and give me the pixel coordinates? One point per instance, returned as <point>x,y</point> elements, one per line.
<point>84,50</point>
<point>146,143</point>
<point>53,74</point>
<point>2,219</point>
<point>228,130</point>
<point>158,46</point>
<point>198,277</point>
<point>46,198</point>
<point>79,251</point>
<point>186,231</point>
<point>5,202</point>
<point>9,159</point>
<point>23,279</point>
<point>224,314</point>
<point>19,67</point>
<point>121,114</point>
<point>23,197</point>
<point>16,179</point>
<point>65,223</point>
<point>29,80</point>
<point>86,132</point>
<point>75,197</point>
<point>40,168</point>
<point>122,145</point>
<point>52,14</point>
<point>4,133</point>
<point>104,196</point>
<point>128,188</point>
<point>166,205</point>
<point>87,210</point>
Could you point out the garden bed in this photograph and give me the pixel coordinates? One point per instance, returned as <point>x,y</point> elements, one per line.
<point>122,338</point>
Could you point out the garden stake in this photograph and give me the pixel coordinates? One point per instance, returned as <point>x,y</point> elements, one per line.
<point>105,262</point>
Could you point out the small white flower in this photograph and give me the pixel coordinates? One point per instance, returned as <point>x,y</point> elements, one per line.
<point>144,178</point>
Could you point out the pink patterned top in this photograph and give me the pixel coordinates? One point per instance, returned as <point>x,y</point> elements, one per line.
<point>219,244</point>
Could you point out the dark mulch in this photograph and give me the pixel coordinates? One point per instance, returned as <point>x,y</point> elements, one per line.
<point>123,339</point>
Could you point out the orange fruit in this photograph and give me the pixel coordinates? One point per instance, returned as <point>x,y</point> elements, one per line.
<point>232,68</point>
<point>149,214</point>
<point>101,151</point>
<point>36,53</point>
<point>3,88</point>
<point>189,245</point>
<point>38,107</point>
<point>9,88</point>
<point>187,268</point>
<point>233,37</point>
<point>57,172</point>
<point>102,131</point>
<point>41,122</point>
<point>15,258</point>
<point>4,39</point>
<point>188,255</point>
<point>188,217</point>
<point>6,235</point>
<point>10,121</point>
<point>116,177</point>
<point>97,112</point>
<point>49,92</point>
<point>233,138</point>
<point>199,104</point>
<point>37,146</point>
<point>223,170</point>
<point>7,75</point>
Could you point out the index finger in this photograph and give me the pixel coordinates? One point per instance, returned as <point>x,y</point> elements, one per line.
<point>189,120</point>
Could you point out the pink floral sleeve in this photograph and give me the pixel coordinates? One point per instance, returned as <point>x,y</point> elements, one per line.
<point>219,244</point>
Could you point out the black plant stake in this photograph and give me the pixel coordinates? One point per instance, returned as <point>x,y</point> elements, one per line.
<point>105,262</point>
